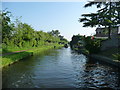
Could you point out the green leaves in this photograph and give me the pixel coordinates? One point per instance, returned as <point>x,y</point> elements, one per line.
<point>54,33</point>
<point>84,19</point>
<point>20,34</point>
<point>93,46</point>
<point>108,15</point>
<point>90,4</point>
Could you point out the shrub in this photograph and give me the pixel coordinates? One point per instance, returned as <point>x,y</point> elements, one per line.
<point>117,56</point>
<point>93,46</point>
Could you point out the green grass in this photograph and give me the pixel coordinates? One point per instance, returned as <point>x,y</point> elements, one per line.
<point>116,56</point>
<point>9,59</point>
<point>85,51</point>
<point>111,53</point>
<point>12,49</point>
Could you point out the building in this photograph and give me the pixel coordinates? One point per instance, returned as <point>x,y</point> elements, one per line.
<point>103,32</point>
<point>109,43</point>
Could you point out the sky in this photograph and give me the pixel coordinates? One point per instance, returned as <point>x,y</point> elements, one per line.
<point>47,16</point>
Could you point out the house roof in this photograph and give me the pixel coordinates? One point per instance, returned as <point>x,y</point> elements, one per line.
<point>101,28</point>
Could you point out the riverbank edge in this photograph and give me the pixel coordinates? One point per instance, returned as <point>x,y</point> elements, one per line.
<point>103,59</point>
<point>11,59</point>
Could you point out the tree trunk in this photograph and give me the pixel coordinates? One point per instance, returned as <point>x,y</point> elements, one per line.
<point>109,28</point>
<point>109,32</point>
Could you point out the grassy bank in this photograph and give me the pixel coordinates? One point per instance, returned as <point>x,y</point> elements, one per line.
<point>110,53</point>
<point>106,56</point>
<point>10,59</point>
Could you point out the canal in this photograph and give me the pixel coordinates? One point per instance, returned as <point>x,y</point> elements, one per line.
<point>62,68</point>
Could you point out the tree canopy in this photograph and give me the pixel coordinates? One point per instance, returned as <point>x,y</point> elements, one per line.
<point>107,15</point>
<point>19,34</point>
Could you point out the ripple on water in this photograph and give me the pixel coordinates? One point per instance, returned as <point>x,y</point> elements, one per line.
<point>60,68</point>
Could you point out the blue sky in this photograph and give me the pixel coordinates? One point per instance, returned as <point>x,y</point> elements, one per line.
<point>47,16</point>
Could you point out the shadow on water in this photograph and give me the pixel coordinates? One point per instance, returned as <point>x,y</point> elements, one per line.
<point>101,75</point>
<point>94,74</point>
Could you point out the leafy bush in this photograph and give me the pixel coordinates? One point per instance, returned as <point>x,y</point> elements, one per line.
<point>75,40</point>
<point>117,56</point>
<point>21,35</point>
<point>93,46</point>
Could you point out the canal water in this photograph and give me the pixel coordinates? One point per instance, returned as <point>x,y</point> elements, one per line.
<point>62,68</point>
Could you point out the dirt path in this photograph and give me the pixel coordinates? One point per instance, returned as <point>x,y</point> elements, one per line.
<point>10,53</point>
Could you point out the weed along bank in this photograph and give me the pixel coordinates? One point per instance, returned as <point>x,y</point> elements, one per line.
<point>13,57</point>
<point>100,49</point>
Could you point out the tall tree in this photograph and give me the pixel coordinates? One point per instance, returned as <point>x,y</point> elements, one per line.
<point>107,15</point>
<point>7,27</point>
<point>54,33</point>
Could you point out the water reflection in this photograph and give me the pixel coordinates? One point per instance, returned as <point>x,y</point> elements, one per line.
<point>60,68</point>
<point>95,75</point>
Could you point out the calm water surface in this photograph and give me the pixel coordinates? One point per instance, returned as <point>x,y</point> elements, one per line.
<point>60,68</point>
